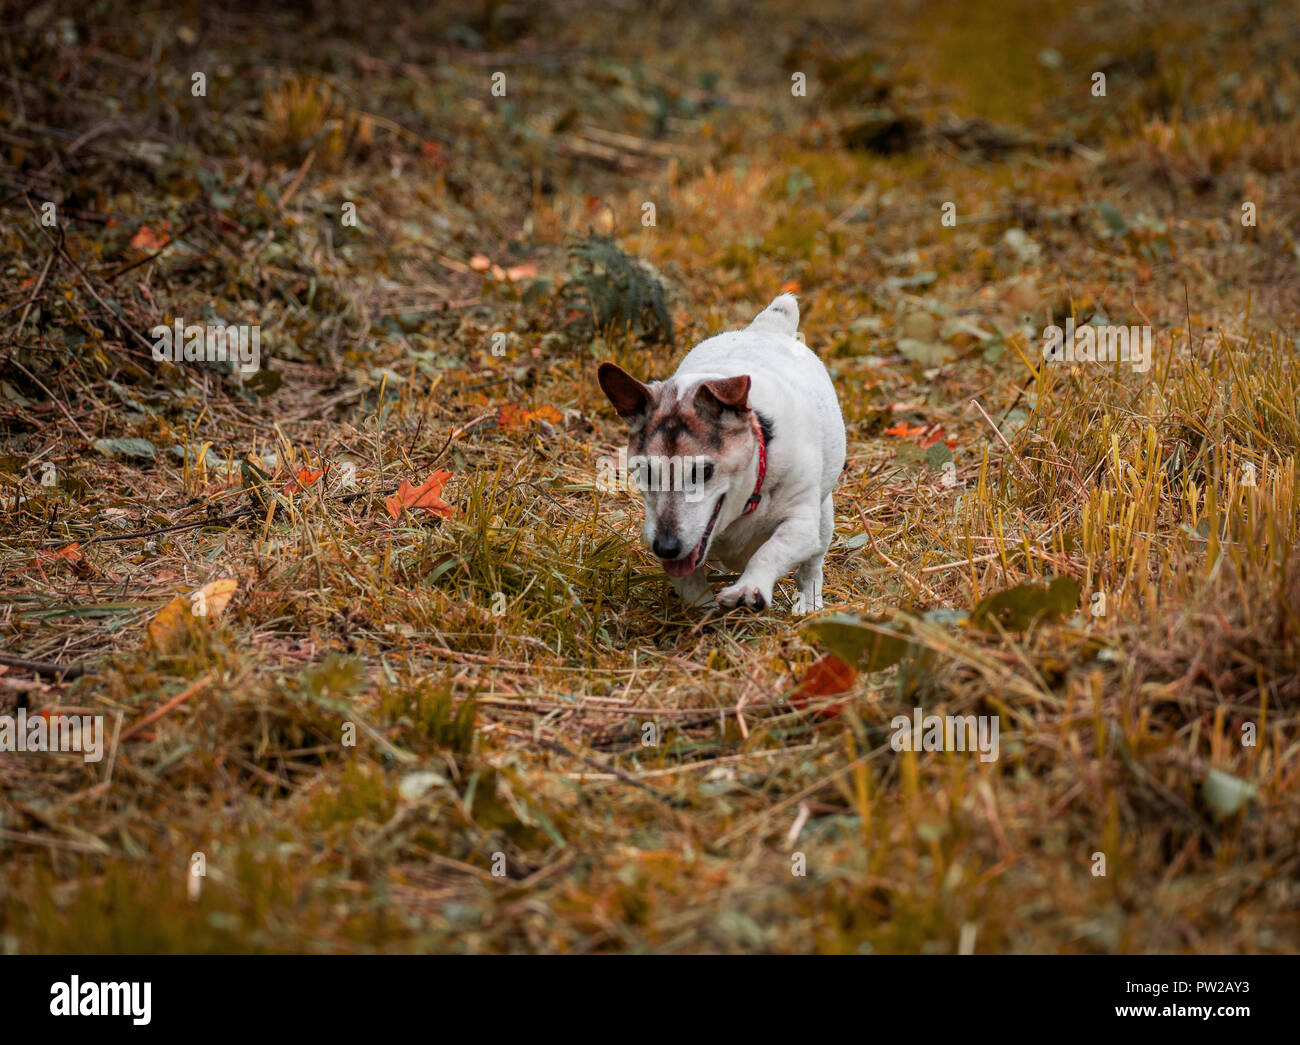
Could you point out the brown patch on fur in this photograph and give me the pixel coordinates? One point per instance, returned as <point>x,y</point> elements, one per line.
<point>693,425</point>
<point>677,429</point>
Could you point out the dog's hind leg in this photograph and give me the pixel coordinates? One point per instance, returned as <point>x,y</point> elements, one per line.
<point>808,575</point>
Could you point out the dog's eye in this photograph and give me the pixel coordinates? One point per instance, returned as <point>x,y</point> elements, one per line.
<point>699,473</point>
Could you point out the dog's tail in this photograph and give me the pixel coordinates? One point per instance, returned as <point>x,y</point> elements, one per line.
<point>780,317</point>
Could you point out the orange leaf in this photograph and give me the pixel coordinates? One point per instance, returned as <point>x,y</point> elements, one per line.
<point>67,553</point>
<point>929,440</point>
<point>146,239</point>
<point>525,271</point>
<point>304,478</point>
<point>512,416</point>
<point>903,431</point>
<point>426,497</point>
<point>826,677</point>
<point>480,263</point>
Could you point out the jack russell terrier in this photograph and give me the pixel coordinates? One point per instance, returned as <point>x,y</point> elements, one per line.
<point>736,456</point>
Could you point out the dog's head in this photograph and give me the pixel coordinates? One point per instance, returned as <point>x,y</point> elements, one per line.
<point>692,452</point>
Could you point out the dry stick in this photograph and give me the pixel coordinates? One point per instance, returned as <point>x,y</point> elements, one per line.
<point>55,843</point>
<point>36,292</point>
<point>800,796</point>
<point>914,580</point>
<point>176,701</point>
<point>627,778</point>
<point>964,562</point>
<point>998,432</point>
<point>150,257</point>
<point>320,408</point>
<point>297,179</point>
<point>456,433</point>
<point>215,520</point>
<point>134,535</point>
<point>44,667</point>
<point>53,398</point>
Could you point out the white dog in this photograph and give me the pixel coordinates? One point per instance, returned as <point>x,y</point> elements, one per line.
<point>736,456</point>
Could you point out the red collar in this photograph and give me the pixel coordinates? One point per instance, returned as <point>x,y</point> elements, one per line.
<point>754,498</point>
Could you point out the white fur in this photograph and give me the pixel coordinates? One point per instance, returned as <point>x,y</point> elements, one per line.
<point>791,529</point>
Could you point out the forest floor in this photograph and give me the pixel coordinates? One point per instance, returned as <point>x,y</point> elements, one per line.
<point>349,710</point>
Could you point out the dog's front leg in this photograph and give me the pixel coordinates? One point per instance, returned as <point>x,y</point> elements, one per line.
<point>795,540</point>
<point>694,588</point>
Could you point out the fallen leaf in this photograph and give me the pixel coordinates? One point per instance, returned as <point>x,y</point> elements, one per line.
<point>427,497</point>
<point>480,263</point>
<point>824,678</point>
<point>868,644</point>
<point>126,447</point>
<point>517,272</point>
<point>1225,794</point>
<point>147,239</point>
<point>304,478</point>
<point>172,622</point>
<point>1018,608</point>
<point>510,415</point>
<point>67,553</point>
<point>903,431</point>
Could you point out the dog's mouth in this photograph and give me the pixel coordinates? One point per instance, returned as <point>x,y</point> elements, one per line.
<point>685,565</point>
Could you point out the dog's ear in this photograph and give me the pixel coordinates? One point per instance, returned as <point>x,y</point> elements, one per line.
<point>630,397</point>
<point>729,392</point>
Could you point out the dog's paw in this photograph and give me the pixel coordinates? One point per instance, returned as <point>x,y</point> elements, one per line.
<point>742,594</point>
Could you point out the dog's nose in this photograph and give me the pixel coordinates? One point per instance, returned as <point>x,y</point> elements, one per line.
<point>667,547</point>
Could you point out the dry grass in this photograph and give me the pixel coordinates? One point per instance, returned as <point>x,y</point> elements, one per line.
<point>430,733</point>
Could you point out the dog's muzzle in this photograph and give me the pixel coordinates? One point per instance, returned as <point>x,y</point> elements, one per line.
<point>685,565</point>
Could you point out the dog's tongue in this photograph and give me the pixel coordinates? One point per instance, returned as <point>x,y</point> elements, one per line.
<point>680,567</point>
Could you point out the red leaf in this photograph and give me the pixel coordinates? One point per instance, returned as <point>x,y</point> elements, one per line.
<point>826,677</point>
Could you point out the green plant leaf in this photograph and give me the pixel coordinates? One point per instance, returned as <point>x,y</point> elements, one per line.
<point>858,641</point>
<point>1016,609</point>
